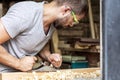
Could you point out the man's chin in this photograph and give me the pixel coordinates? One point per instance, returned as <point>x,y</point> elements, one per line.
<point>65,26</point>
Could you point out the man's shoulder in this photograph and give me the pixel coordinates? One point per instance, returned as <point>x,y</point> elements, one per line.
<point>26,7</point>
<point>26,3</point>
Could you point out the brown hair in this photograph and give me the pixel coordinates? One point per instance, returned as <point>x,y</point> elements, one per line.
<point>78,6</point>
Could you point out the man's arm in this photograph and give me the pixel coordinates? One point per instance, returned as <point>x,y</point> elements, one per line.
<point>45,52</point>
<point>23,64</point>
<point>5,58</point>
<point>3,34</point>
<point>54,58</point>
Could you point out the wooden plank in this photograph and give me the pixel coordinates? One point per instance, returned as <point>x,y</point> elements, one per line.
<point>55,42</point>
<point>91,20</point>
<point>71,33</point>
<point>79,50</point>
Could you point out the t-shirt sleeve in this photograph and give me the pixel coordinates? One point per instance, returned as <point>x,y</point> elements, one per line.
<point>15,20</point>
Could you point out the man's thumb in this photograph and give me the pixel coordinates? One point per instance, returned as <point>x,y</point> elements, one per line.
<point>35,58</point>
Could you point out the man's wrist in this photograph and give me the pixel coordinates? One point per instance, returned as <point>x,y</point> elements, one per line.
<point>17,64</point>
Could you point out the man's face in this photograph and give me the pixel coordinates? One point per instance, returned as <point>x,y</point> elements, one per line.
<point>68,21</point>
<point>62,22</point>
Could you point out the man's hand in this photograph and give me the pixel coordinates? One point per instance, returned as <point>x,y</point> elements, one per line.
<point>55,59</point>
<point>26,63</point>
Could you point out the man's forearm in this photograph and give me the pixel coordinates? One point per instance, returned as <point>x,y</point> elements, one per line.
<point>45,53</point>
<point>7,59</point>
<point>55,59</point>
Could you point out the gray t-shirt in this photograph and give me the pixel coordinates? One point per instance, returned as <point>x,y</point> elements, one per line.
<point>24,24</point>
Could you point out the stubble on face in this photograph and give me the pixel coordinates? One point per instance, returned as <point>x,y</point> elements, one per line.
<point>61,23</point>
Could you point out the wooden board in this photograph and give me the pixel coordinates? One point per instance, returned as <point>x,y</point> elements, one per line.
<point>67,74</point>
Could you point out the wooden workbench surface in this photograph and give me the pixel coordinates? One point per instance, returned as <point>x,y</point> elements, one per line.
<point>66,74</point>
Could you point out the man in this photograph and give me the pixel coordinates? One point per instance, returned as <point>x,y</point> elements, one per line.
<point>27,27</point>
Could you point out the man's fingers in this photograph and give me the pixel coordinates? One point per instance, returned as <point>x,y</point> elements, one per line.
<point>56,64</point>
<point>57,60</point>
<point>57,57</point>
<point>35,58</point>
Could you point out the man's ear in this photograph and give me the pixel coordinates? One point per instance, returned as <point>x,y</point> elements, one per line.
<point>65,10</point>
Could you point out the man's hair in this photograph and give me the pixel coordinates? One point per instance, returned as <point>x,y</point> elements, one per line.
<point>78,6</point>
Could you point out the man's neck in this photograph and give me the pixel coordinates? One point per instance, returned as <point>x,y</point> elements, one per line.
<point>49,15</point>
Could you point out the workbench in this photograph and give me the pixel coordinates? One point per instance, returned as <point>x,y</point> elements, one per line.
<point>65,74</point>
